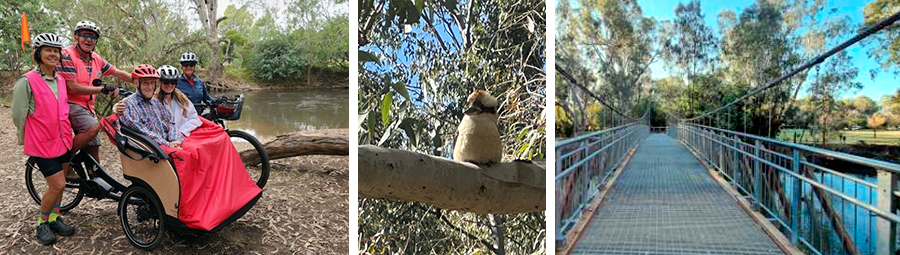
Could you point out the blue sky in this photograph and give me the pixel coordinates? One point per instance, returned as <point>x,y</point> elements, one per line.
<point>883,84</point>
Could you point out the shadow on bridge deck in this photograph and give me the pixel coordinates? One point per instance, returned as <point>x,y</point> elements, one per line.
<point>665,202</point>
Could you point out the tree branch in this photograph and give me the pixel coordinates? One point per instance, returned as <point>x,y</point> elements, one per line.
<point>504,188</point>
<point>458,229</point>
<point>436,34</point>
<point>220,20</point>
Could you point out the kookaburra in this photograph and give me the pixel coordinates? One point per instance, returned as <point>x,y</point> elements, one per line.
<point>478,140</point>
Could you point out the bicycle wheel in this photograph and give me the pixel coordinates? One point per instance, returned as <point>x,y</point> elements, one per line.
<point>37,186</point>
<point>243,141</point>
<point>142,217</point>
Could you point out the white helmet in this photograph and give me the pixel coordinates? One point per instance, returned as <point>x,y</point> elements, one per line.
<point>167,72</point>
<point>188,57</point>
<point>47,39</point>
<point>87,25</point>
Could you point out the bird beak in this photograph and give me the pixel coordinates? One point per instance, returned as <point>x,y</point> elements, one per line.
<point>473,110</point>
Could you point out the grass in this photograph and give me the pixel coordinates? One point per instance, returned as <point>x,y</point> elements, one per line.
<point>884,137</point>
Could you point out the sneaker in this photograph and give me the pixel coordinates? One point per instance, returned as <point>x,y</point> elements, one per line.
<point>44,234</point>
<point>61,228</point>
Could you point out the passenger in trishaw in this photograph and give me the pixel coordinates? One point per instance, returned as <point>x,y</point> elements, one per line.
<point>215,187</point>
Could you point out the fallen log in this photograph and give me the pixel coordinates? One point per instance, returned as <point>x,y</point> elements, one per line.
<point>298,144</point>
<point>501,188</point>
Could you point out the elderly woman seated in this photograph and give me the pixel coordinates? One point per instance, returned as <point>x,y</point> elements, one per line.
<point>146,114</point>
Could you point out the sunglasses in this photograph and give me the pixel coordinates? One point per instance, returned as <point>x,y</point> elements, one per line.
<point>167,82</point>
<point>188,64</point>
<point>89,36</point>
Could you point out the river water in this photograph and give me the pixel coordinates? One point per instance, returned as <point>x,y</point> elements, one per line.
<point>269,113</point>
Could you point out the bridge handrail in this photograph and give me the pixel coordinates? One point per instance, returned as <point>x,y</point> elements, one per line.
<point>579,138</point>
<point>816,183</point>
<point>584,163</point>
<point>727,152</point>
<point>569,171</point>
<point>888,166</point>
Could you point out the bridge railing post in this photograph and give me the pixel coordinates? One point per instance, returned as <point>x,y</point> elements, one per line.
<point>735,163</point>
<point>560,236</point>
<point>887,230</point>
<point>795,203</point>
<point>757,176</point>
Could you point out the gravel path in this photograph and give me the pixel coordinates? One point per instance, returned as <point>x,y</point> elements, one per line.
<point>303,210</point>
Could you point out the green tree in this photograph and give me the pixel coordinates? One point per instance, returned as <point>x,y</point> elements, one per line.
<point>758,47</point>
<point>886,48</point>
<point>40,20</point>
<point>865,105</point>
<point>608,47</point>
<point>689,45</point>
<point>419,60</point>
<point>276,59</point>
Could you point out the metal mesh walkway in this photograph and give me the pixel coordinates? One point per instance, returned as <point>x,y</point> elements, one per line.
<point>664,202</point>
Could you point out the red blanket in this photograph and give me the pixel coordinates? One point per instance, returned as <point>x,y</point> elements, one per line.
<point>214,182</point>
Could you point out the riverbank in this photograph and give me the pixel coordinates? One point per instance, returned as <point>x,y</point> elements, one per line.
<point>304,209</point>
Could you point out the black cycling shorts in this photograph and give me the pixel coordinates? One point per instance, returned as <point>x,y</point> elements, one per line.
<point>51,166</point>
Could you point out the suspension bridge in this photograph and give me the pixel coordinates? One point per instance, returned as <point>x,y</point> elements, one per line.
<point>700,186</point>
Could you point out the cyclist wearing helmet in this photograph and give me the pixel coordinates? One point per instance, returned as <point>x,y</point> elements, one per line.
<point>190,84</point>
<point>79,66</point>
<point>41,115</point>
<point>146,114</point>
<point>186,119</point>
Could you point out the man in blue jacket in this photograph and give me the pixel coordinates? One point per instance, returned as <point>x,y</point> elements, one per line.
<point>190,84</point>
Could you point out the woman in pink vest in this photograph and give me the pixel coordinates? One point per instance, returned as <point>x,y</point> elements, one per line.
<point>41,114</point>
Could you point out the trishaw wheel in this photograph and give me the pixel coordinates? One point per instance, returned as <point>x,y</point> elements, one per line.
<point>142,217</point>
<point>244,141</point>
<point>37,186</point>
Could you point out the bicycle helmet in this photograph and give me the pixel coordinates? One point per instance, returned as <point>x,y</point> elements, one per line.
<point>87,25</point>
<point>188,57</point>
<point>47,39</point>
<point>144,71</point>
<point>167,72</point>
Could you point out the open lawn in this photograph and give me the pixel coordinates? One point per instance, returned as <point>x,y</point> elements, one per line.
<point>884,137</point>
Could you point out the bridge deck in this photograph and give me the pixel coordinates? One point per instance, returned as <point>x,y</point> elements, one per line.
<point>664,202</point>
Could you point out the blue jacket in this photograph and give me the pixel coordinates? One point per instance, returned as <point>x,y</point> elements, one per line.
<point>196,93</point>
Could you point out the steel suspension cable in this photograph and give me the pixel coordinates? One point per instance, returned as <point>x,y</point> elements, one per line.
<point>815,61</point>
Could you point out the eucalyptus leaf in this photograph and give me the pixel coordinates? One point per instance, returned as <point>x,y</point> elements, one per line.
<point>400,87</point>
<point>451,4</point>
<point>371,124</point>
<point>420,4</point>
<point>437,141</point>
<point>386,107</point>
<point>365,56</point>
<point>408,126</point>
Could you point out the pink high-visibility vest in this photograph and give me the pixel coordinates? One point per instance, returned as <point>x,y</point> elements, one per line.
<point>48,132</point>
<point>82,77</point>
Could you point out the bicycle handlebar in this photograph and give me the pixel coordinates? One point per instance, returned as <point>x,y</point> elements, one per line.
<point>124,92</point>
